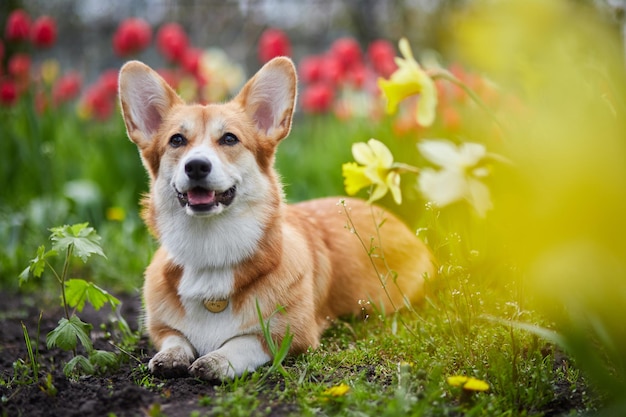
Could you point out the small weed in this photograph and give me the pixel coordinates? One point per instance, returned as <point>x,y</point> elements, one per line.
<point>77,241</point>
<point>33,354</point>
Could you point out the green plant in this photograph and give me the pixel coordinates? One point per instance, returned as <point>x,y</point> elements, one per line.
<point>76,241</point>
<point>33,354</point>
<point>278,352</point>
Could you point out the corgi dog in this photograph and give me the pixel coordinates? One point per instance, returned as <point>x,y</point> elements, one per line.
<point>231,249</point>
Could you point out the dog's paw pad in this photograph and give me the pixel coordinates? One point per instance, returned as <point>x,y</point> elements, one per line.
<point>169,364</point>
<point>211,367</point>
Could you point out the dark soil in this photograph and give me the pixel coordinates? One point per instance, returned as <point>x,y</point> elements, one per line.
<point>120,392</point>
<point>117,392</point>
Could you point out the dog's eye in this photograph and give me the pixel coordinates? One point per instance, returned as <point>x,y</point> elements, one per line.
<point>228,139</point>
<point>177,141</point>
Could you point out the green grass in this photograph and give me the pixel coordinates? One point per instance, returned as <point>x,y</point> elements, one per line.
<point>401,369</point>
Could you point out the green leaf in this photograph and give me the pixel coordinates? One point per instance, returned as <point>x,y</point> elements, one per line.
<point>84,240</point>
<point>77,291</point>
<point>543,332</point>
<point>78,365</point>
<point>68,333</point>
<point>103,360</point>
<point>36,265</point>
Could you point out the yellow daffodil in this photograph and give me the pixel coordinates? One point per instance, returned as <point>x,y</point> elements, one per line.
<point>337,391</point>
<point>410,79</point>
<point>376,168</point>
<point>468,383</point>
<point>459,176</point>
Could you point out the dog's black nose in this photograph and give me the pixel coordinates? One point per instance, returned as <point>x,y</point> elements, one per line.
<point>197,169</point>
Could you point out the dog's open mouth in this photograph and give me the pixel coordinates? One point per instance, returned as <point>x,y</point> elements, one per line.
<point>202,199</point>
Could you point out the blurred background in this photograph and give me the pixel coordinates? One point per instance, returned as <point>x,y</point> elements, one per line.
<point>86,26</point>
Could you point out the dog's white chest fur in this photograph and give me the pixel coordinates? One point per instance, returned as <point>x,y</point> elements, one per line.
<point>207,331</point>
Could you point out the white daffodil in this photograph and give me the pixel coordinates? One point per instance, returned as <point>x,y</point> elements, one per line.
<point>459,176</point>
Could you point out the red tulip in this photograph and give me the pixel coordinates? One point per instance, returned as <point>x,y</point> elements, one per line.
<point>108,81</point>
<point>172,41</point>
<point>8,92</point>
<point>18,26</point>
<point>317,98</point>
<point>191,60</point>
<point>19,65</point>
<point>347,52</point>
<point>99,102</point>
<point>44,32</point>
<point>332,70</point>
<point>66,88</point>
<point>273,43</point>
<point>357,75</point>
<point>311,68</point>
<point>382,54</point>
<point>132,35</point>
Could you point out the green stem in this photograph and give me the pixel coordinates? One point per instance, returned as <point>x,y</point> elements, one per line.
<point>66,266</point>
<point>448,76</point>
<point>402,168</point>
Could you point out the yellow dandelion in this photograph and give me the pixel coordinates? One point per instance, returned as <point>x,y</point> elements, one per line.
<point>468,383</point>
<point>116,214</point>
<point>337,391</point>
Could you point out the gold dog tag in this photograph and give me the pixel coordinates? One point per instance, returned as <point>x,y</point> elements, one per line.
<point>216,306</point>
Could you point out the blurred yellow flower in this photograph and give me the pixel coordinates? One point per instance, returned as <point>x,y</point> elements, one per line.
<point>337,391</point>
<point>376,169</point>
<point>50,71</point>
<point>410,79</point>
<point>224,76</point>
<point>468,383</point>
<point>116,214</point>
<point>459,176</point>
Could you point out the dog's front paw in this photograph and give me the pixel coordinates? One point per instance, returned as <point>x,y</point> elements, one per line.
<point>170,363</point>
<point>211,367</point>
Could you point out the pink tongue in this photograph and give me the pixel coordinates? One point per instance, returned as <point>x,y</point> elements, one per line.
<point>200,196</point>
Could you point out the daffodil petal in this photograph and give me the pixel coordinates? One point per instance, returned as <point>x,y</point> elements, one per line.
<point>363,154</point>
<point>393,182</point>
<point>440,152</point>
<point>478,196</point>
<point>471,153</point>
<point>382,153</point>
<point>354,178</point>
<point>442,187</point>
<point>405,49</point>
<point>427,104</point>
<point>396,90</point>
<point>378,192</point>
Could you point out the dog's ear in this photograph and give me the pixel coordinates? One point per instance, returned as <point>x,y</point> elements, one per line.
<point>269,98</point>
<point>145,98</point>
